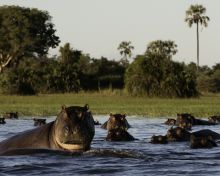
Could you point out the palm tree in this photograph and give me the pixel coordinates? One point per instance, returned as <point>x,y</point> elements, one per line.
<point>125,49</point>
<point>196,14</point>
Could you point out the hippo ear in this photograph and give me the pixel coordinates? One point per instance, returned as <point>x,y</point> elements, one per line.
<point>63,107</point>
<point>80,114</point>
<point>86,107</point>
<point>113,118</point>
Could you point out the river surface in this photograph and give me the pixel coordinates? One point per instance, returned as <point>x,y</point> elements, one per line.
<point>116,158</point>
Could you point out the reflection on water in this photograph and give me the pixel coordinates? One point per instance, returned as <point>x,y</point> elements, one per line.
<point>116,158</point>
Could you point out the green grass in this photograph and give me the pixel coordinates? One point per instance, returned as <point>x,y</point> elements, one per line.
<point>105,103</point>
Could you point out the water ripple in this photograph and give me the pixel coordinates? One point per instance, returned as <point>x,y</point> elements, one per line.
<point>115,158</point>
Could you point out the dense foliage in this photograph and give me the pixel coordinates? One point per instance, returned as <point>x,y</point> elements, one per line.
<point>24,32</point>
<point>27,34</point>
<point>209,79</point>
<point>72,71</point>
<point>155,74</point>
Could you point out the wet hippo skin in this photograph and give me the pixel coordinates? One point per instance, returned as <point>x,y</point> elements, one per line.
<point>116,121</point>
<point>180,134</point>
<point>73,130</point>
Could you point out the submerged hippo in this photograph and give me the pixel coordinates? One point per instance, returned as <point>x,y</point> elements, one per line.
<point>2,120</point>
<point>39,122</point>
<point>180,134</point>
<point>202,142</point>
<point>73,130</point>
<point>159,139</point>
<point>116,121</point>
<point>96,122</point>
<point>170,122</point>
<point>119,135</point>
<point>214,119</point>
<point>191,119</point>
<point>186,121</point>
<point>11,115</point>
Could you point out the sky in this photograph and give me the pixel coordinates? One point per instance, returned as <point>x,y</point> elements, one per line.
<point>98,26</point>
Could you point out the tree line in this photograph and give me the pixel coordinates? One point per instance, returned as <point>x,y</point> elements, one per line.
<point>27,34</point>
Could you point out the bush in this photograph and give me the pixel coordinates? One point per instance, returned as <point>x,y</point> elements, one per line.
<point>157,76</point>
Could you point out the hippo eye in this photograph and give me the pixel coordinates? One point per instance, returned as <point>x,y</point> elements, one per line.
<point>67,129</point>
<point>210,137</point>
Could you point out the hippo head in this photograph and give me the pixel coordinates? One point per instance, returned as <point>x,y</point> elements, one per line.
<point>202,142</point>
<point>177,134</point>
<point>170,122</point>
<point>186,116</point>
<point>74,128</point>
<point>185,121</point>
<point>2,120</point>
<point>185,124</point>
<point>159,139</point>
<point>119,135</point>
<point>39,122</point>
<point>117,121</point>
<point>214,119</point>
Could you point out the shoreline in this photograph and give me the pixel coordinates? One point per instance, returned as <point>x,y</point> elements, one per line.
<point>104,104</point>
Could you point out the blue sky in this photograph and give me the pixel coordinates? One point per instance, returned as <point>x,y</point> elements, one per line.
<point>98,26</point>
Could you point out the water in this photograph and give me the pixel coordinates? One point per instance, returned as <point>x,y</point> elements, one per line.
<point>116,158</point>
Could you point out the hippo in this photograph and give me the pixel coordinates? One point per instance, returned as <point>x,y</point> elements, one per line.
<point>170,122</point>
<point>2,120</point>
<point>184,121</point>
<point>193,120</point>
<point>96,122</point>
<point>72,131</point>
<point>11,115</point>
<point>39,122</point>
<point>159,139</point>
<point>116,121</point>
<point>119,135</point>
<point>214,119</point>
<point>179,134</point>
<point>202,142</point>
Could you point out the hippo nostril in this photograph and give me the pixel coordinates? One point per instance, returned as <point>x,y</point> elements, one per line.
<point>67,129</point>
<point>75,131</point>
